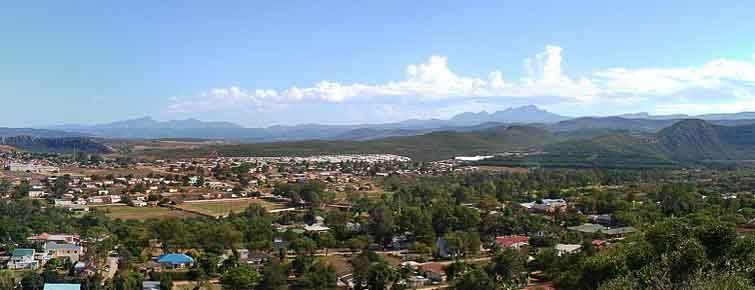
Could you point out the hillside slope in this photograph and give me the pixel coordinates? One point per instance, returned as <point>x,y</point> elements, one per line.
<point>55,145</point>
<point>694,140</point>
<point>432,146</point>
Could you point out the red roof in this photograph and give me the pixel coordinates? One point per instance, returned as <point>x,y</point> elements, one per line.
<point>598,242</point>
<point>433,267</point>
<point>509,241</point>
<point>42,236</point>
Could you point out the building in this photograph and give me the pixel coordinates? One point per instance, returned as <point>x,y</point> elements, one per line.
<point>151,285</point>
<point>546,205</point>
<point>62,286</point>
<point>567,248</point>
<point>32,168</point>
<point>176,261</point>
<point>434,271</point>
<point>316,228</point>
<point>59,238</point>
<point>415,282</point>
<point>70,251</point>
<point>514,242</point>
<point>23,259</point>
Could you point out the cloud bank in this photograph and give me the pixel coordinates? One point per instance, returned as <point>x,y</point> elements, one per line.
<point>726,82</point>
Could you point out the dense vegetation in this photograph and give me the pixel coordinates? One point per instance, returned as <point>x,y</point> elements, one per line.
<point>55,145</point>
<point>685,241</point>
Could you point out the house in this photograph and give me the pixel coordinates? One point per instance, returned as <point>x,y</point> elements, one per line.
<point>546,205</point>
<point>70,251</point>
<point>176,261</point>
<point>23,259</point>
<point>514,242</point>
<point>589,228</point>
<point>414,282</point>
<point>62,286</point>
<point>602,219</point>
<point>60,238</point>
<point>151,285</point>
<point>316,228</point>
<point>620,232</point>
<point>567,248</point>
<point>79,267</point>
<point>595,228</point>
<point>434,271</point>
<point>37,193</point>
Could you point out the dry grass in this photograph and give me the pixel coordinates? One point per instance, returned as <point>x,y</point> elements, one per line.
<point>225,207</point>
<point>339,263</point>
<point>143,213</point>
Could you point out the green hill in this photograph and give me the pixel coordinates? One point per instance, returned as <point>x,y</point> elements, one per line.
<point>608,151</point>
<point>685,142</point>
<point>694,140</point>
<point>64,145</point>
<point>432,146</point>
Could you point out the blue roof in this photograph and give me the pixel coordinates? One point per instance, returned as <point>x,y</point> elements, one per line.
<point>23,252</point>
<point>56,286</point>
<point>176,259</point>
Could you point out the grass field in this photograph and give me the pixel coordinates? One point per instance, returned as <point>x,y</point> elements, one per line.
<point>224,207</point>
<point>143,213</point>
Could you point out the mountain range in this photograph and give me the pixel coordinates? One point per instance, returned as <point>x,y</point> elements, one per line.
<point>148,128</point>
<point>627,140</point>
<point>686,142</point>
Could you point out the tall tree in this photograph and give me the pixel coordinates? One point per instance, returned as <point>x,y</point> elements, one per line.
<point>240,278</point>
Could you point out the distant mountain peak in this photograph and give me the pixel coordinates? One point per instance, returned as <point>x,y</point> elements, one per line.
<point>522,114</point>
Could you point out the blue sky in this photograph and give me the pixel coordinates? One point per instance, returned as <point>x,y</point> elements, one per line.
<point>260,63</point>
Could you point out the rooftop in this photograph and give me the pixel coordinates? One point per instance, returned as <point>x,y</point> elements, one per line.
<point>176,259</point>
<point>56,286</point>
<point>23,252</point>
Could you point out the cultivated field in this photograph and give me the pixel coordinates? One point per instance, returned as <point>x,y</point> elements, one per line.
<point>143,213</point>
<point>218,208</point>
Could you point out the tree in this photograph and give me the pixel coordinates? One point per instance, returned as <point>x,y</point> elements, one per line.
<point>382,223</point>
<point>381,275</point>
<point>321,277</point>
<point>127,280</point>
<point>508,268</point>
<point>50,276</point>
<point>93,282</point>
<point>166,281</point>
<point>7,280</point>
<point>240,278</point>
<point>476,280</point>
<point>274,276</point>
<point>32,281</point>
<point>326,240</point>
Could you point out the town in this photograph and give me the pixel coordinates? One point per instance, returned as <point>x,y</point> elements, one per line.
<point>204,223</point>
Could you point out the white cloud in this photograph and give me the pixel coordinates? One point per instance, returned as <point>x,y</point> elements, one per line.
<point>544,82</point>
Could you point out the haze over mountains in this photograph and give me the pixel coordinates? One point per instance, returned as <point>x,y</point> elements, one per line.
<point>631,140</point>
<point>148,128</point>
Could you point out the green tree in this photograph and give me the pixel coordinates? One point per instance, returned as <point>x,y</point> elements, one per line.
<point>274,276</point>
<point>322,277</point>
<point>381,276</point>
<point>508,268</point>
<point>240,278</point>
<point>476,280</point>
<point>31,281</point>
<point>127,280</point>
<point>7,280</point>
<point>166,281</point>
